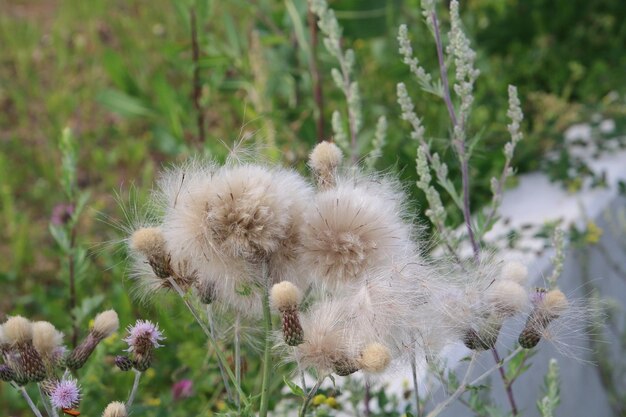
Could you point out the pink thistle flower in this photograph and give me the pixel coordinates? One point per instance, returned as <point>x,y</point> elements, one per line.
<point>65,394</point>
<point>61,214</point>
<point>182,389</point>
<point>143,332</point>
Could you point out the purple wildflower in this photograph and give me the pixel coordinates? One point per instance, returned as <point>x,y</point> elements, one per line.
<point>182,389</point>
<point>65,394</point>
<point>61,214</point>
<point>143,331</point>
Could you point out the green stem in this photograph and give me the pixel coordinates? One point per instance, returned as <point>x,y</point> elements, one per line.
<point>309,397</point>
<point>207,332</point>
<point>229,394</point>
<point>267,353</point>
<point>30,402</point>
<point>46,403</point>
<point>133,391</point>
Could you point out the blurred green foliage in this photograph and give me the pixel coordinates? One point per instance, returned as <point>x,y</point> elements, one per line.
<point>120,75</point>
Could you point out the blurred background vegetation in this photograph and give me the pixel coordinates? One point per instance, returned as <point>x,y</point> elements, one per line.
<point>123,77</point>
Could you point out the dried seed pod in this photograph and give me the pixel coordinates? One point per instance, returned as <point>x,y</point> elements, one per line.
<point>285,298</point>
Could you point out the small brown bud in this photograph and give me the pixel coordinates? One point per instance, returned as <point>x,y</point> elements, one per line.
<point>292,329</point>
<point>124,363</point>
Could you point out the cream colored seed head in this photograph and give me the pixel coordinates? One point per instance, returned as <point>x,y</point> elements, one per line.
<point>18,329</point>
<point>554,302</point>
<point>325,157</point>
<point>375,358</point>
<point>285,295</point>
<point>106,323</point>
<point>115,409</point>
<point>508,297</point>
<point>515,271</point>
<point>46,338</point>
<point>3,336</point>
<point>149,241</point>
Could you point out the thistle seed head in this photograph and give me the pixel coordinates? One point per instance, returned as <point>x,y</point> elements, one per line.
<point>324,160</point>
<point>46,339</point>
<point>375,358</point>
<point>148,241</point>
<point>285,295</point>
<point>105,324</point>
<point>507,297</point>
<point>515,271</point>
<point>115,409</point>
<point>18,329</point>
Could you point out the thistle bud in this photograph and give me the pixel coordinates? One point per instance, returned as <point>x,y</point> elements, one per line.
<point>150,242</point>
<point>285,298</point>
<point>324,161</point>
<point>345,366</point>
<point>6,373</point>
<point>105,324</point>
<point>549,305</point>
<point>124,363</point>
<point>486,336</point>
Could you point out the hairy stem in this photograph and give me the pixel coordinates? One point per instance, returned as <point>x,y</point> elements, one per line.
<point>72,279</point>
<point>133,391</point>
<point>267,351</point>
<point>207,332</point>
<point>30,402</point>
<point>229,393</point>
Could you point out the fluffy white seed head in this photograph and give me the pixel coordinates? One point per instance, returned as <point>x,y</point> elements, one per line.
<point>106,323</point>
<point>351,227</point>
<point>554,303</point>
<point>46,338</point>
<point>115,409</point>
<point>18,329</point>
<point>375,358</point>
<point>515,271</point>
<point>508,297</point>
<point>285,295</point>
<point>3,336</point>
<point>324,161</point>
<point>148,241</point>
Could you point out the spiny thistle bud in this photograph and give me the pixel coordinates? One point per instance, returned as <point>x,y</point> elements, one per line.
<point>150,242</point>
<point>142,339</point>
<point>486,336</point>
<point>206,291</point>
<point>22,356</point>
<point>124,363</point>
<point>515,271</point>
<point>115,409</point>
<point>6,373</point>
<point>549,305</point>
<point>285,298</point>
<point>324,160</point>
<point>345,366</point>
<point>375,358</point>
<point>65,394</point>
<point>105,324</point>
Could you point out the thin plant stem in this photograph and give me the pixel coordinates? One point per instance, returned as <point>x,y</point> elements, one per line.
<point>133,391</point>
<point>309,397</point>
<point>460,144</point>
<point>367,399</point>
<point>267,352</point>
<point>302,380</point>
<point>461,389</point>
<point>237,342</point>
<point>30,402</point>
<point>197,84</point>
<point>46,404</point>
<point>72,282</point>
<point>316,77</point>
<point>207,332</point>
<point>418,408</point>
<point>508,385</point>
<point>220,365</point>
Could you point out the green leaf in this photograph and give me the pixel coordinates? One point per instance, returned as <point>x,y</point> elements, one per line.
<point>124,104</point>
<point>295,388</point>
